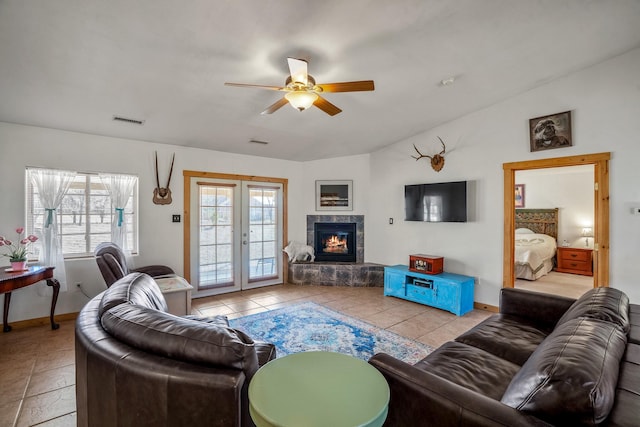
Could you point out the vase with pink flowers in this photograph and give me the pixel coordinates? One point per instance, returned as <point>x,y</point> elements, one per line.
<point>18,251</point>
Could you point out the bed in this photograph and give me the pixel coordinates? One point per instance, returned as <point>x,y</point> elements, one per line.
<point>535,242</point>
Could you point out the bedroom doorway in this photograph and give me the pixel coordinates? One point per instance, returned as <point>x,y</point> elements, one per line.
<point>600,163</point>
<point>558,203</point>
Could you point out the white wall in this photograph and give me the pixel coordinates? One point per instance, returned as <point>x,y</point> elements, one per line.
<point>354,168</point>
<point>570,189</point>
<point>605,101</point>
<point>161,240</point>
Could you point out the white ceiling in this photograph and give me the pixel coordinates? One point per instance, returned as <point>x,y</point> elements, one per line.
<point>74,64</point>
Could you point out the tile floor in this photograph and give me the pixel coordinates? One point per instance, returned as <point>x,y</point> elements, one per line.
<point>37,369</point>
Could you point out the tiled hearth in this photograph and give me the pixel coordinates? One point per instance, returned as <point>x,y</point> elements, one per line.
<point>336,274</point>
<point>358,274</point>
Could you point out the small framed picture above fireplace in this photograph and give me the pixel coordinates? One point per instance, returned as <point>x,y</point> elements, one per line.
<point>334,195</point>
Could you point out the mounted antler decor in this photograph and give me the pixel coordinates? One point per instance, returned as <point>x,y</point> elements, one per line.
<point>437,160</point>
<point>162,195</point>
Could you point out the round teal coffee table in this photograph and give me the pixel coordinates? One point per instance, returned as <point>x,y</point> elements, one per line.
<point>318,389</point>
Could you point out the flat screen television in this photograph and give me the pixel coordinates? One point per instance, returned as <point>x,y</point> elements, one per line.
<point>438,202</point>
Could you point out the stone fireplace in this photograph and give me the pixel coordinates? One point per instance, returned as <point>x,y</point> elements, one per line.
<point>334,241</point>
<point>340,223</point>
<point>332,270</point>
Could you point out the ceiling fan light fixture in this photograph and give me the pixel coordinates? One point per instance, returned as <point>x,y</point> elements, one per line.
<point>301,100</point>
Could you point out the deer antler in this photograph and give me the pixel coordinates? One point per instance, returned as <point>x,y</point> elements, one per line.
<point>157,178</point>
<point>437,160</point>
<point>171,170</point>
<point>421,155</point>
<point>162,195</point>
<point>444,147</point>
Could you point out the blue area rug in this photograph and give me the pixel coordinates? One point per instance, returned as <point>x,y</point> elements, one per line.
<point>312,327</point>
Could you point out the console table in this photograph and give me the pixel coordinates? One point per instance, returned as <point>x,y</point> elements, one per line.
<point>10,281</point>
<point>447,291</point>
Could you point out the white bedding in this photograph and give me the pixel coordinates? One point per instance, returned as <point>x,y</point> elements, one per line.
<point>534,255</point>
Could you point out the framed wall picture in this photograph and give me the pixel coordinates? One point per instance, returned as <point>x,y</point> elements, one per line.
<point>519,197</point>
<point>552,131</point>
<point>334,195</point>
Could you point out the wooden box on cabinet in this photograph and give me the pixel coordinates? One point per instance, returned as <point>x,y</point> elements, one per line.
<point>427,264</point>
<point>575,261</point>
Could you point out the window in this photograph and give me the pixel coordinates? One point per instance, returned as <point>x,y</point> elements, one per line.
<point>85,216</point>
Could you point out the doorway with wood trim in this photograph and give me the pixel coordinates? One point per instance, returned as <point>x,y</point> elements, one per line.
<point>234,232</point>
<point>600,162</point>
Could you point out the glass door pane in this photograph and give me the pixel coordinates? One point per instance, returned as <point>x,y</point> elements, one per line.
<point>262,236</point>
<point>216,260</point>
<point>216,225</point>
<point>262,231</point>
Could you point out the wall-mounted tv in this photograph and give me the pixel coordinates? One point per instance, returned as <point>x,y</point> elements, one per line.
<point>438,202</point>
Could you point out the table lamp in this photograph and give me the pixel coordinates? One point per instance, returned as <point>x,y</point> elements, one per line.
<point>586,233</point>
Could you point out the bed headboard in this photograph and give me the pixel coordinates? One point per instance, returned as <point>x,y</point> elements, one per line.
<point>542,221</point>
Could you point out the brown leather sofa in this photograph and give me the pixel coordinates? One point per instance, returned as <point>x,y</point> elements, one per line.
<point>543,360</point>
<point>137,365</point>
<point>113,264</point>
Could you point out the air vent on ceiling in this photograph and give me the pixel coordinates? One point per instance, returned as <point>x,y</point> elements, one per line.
<point>128,120</point>
<point>255,141</point>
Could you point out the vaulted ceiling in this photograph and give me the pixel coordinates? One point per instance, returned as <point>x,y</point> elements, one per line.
<point>74,64</point>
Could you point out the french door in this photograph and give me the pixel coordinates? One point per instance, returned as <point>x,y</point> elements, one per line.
<point>235,234</point>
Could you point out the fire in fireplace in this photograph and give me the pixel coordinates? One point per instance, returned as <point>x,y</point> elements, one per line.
<point>334,241</point>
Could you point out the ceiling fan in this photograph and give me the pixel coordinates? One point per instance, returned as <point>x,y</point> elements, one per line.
<point>302,91</point>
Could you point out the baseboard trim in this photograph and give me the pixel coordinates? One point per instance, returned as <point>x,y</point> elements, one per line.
<point>487,307</point>
<point>41,321</point>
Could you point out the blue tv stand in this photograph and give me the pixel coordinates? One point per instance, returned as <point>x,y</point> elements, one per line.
<point>447,291</point>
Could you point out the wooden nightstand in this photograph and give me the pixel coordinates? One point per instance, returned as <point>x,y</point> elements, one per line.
<point>575,260</point>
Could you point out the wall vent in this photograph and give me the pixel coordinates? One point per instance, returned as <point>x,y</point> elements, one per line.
<point>128,120</point>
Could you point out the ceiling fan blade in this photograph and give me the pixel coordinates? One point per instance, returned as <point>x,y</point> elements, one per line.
<point>254,86</point>
<point>326,106</point>
<point>298,70</point>
<point>276,106</point>
<point>361,85</point>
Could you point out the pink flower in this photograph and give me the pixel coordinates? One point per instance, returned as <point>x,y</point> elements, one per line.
<point>19,250</point>
<point>1,238</point>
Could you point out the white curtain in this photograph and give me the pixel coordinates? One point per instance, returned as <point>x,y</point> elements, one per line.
<point>52,185</point>
<point>120,189</point>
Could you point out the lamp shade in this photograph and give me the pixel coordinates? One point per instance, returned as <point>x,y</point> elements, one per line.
<point>587,232</point>
<point>301,100</point>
